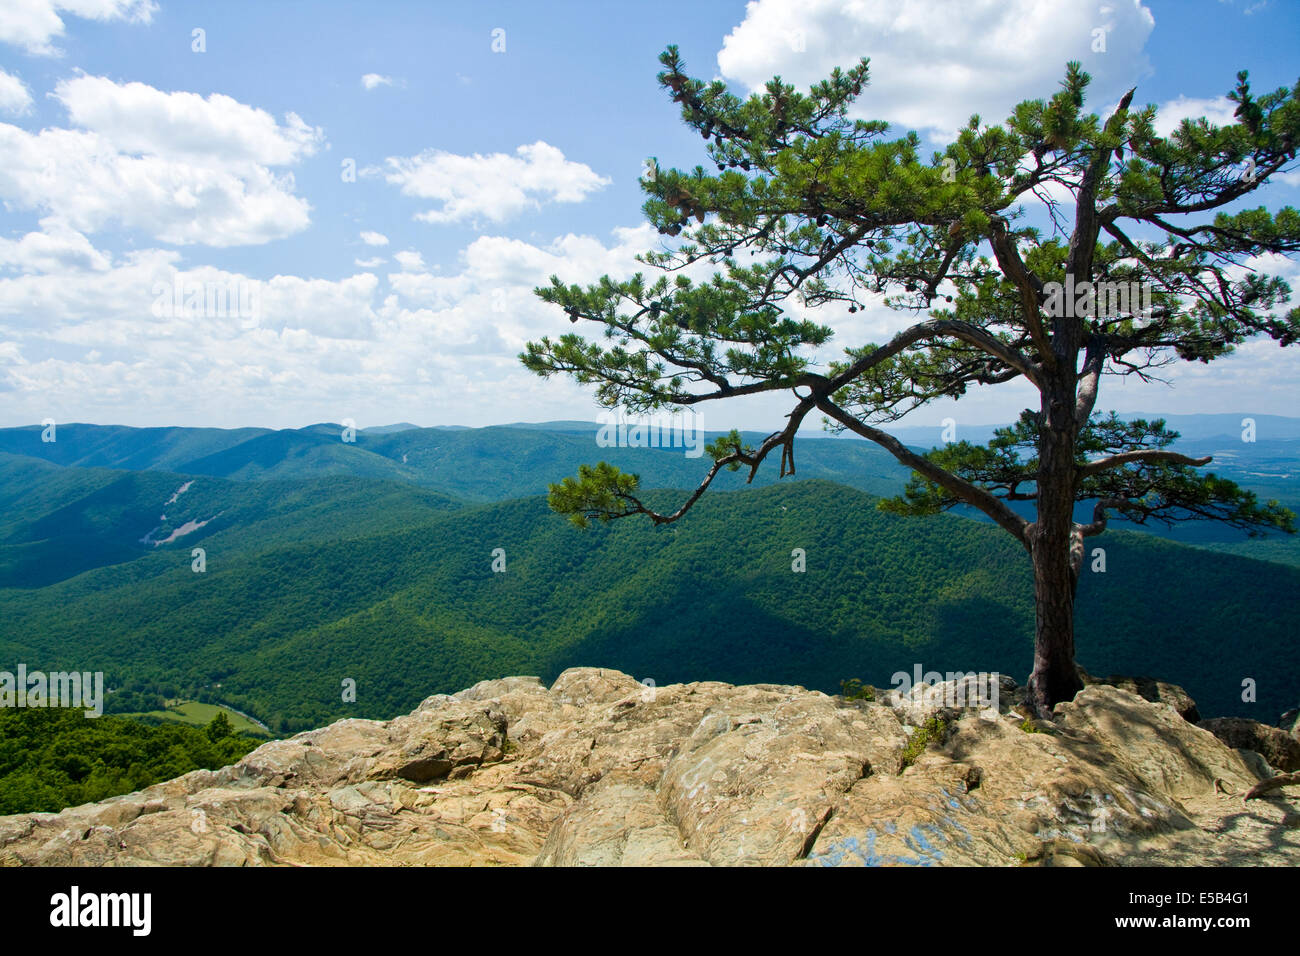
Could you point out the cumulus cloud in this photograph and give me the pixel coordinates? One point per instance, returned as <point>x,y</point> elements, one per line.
<point>83,179</point>
<point>69,291</point>
<point>490,298</point>
<point>414,345</point>
<point>33,24</point>
<point>1217,111</point>
<point>934,63</point>
<point>495,186</point>
<point>372,80</point>
<point>14,96</point>
<point>178,166</point>
<point>55,248</point>
<point>409,260</point>
<point>139,119</point>
<point>374,238</point>
<point>333,309</point>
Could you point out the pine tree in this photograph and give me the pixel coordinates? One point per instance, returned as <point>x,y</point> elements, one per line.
<point>219,727</point>
<point>1151,271</point>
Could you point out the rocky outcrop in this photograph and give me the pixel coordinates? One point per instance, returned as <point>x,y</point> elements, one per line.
<point>1148,688</point>
<point>599,770</point>
<point>1279,748</point>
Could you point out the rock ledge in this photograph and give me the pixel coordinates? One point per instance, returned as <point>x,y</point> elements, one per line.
<point>599,770</point>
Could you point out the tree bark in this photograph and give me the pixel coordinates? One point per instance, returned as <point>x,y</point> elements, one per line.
<point>1055,677</point>
<point>1049,538</point>
<point>1273,783</point>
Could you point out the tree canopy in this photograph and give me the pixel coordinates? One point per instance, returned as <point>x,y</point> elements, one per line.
<point>1153,268</point>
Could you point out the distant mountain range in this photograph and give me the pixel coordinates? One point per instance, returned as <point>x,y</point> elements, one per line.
<point>1219,425</point>
<point>476,464</point>
<point>497,463</point>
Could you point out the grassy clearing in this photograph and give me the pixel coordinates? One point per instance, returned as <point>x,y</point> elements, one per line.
<point>200,715</point>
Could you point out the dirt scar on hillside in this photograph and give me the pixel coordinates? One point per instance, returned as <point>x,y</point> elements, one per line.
<point>177,493</point>
<point>186,528</point>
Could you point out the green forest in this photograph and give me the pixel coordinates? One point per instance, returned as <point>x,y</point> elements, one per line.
<point>51,758</point>
<point>276,624</point>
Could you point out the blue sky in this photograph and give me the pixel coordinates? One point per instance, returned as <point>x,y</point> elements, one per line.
<point>131,164</point>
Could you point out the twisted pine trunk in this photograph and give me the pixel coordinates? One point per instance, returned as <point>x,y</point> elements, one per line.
<point>1049,538</point>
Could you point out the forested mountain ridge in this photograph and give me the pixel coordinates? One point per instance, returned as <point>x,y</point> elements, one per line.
<point>279,619</point>
<point>501,462</point>
<point>476,464</point>
<point>58,522</point>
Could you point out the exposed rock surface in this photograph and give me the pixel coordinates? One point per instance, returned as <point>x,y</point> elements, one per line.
<point>1148,688</point>
<point>599,770</point>
<point>1279,748</point>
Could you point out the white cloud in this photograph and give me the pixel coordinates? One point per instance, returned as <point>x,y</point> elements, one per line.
<point>80,328</point>
<point>56,247</point>
<point>409,260</point>
<point>374,238</point>
<point>1252,6</point>
<point>139,119</point>
<point>55,292</point>
<point>1217,111</point>
<point>32,24</point>
<point>71,293</point>
<point>180,167</point>
<point>334,309</point>
<point>372,80</point>
<point>934,63</point>
<point>373,263</point>
<point>427,348</point>
<point>82,179</point>
<point>14,96</point>
<point>496,186</point>
<point>492,294</point>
